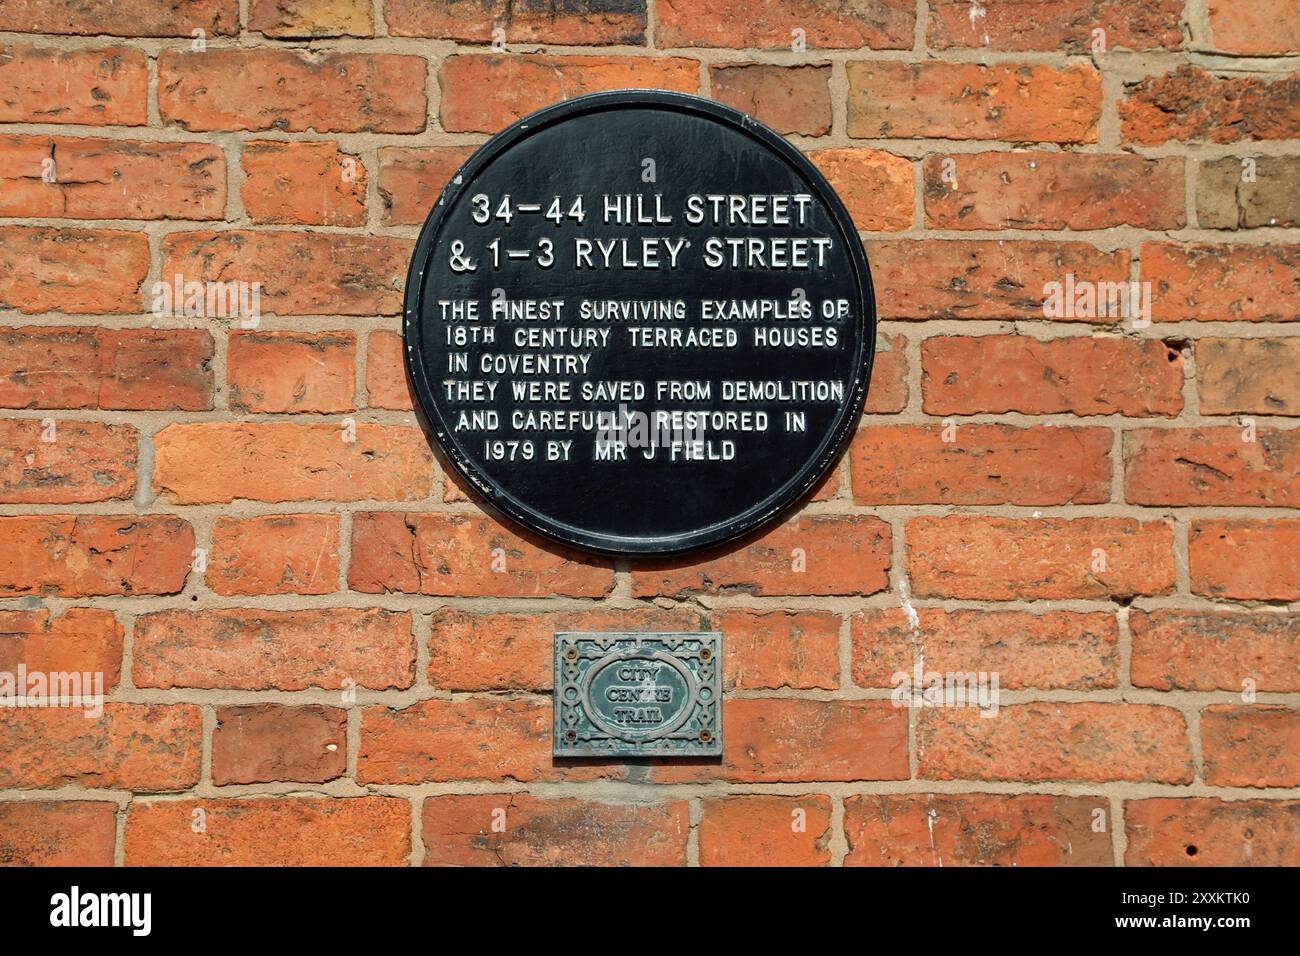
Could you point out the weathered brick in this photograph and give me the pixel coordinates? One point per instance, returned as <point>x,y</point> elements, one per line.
<point>292,371</point>
<point>107,87</point>
<point>140,18</point>
<point>810,554</point>
<point>1190,104</point>
<point>1202,831</point>
<point>274,650</point>
<point>386,385</point>
<point>1054,25</point>
<point>484,93</point>
<point>1246,560</point>
<point>973,279</point>
<point>1212,466</point>
<point>1213,283</point>
<point>270,831</point>
<point>974,829</point>
<point>116,368</point>
<point>314,184</point>
<point>143,747</point>
<point>575,22</point>
<point>303,19</point>
<point>515,829</point>
<point>888,391</point>
<point>936,100</point>
<point>81,640</point>
<point>292,91</point>
<point>300,273</point>
<point>206,462</point>
<point>265,743</point>
<point>410,180</point>
<point>48,269</point>
<point>1224,200</point>
<point>1211,650</point>
<point>1052,191</point>
<point>878,25</point>
<point>1066,650</point>
<point>1255,376</point>
<point>769,650</point>
<point>465,555</point>
<point>876,186</point>
<point>1004,559</point>
<point>1080,375</point>
<point>57,833</point>
<point>762,830</point>
<point>1056,741</point>
<point>1254,26</point>
<point>1251,746</point>
<point>80,461</point>
<point>91,555</point>
<point>984,465</point>
<point>275,554</point>
<point>789,99</point>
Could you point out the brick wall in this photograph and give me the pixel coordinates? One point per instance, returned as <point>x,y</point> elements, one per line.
<point>307,652</point>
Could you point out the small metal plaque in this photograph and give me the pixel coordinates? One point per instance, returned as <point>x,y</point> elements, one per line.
<point>633,694</point>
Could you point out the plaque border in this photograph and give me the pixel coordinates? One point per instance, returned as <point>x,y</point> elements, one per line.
<point>766,512</point>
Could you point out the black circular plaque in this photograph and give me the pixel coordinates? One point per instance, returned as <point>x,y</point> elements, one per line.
<point>639,322</point>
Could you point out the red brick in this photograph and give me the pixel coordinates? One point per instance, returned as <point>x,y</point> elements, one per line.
<point>1065,650</point>
<point>935,100</point>
<point>974,829</point>
<point>888,391</point>
<point>300,273</point>
<point>270,831</point>
<point>265,743</point>
<point>973,279</point>
<point>57,833</point>
<point>1246,560</point>
<point>142,747</point>
<point>1212,466</point>
<point>465,555</point>
<point>386,385</point>
<point>574,23</point>
<point>106,87</point>
<point>91,555</point>
<point>1080,375</point>
<point>206,462</point>
<point>86,461</point>
<point>1212,283</point>
<point>880,25</point>
<point>140,18</point>
<point>294,19</point>
<point>1005,559</point>
<point>1202,831</point>
<point>769,650</point>
<point>292,91</point>
<point>810,554</point>
<point>1254,26</point>
<point>248,649</point>
<point>1053,191</point>
<point>1251,746</point>
<point>876,187</point>
<point>410,180</point>
<point>466,831</point>
<point>1207,650</point>
<point>275,554</point>
<point>1193,105</point>
<point>985,465</point>
<point>54,269</point>
<point>1056,741</point>
<point>1255,376</point>
<point>764,830</point>
<point>80,640</point>
<point>789,99</point>
<point>116,368</point>
<point>1054,25</point>
<point>471,651</point>
<point>314,184</point>
<point>770,740</point>
<point>292,371</point>
<point>484,93</point>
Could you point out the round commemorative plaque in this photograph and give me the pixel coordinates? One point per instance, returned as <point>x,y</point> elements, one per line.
<point>639,322</point>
